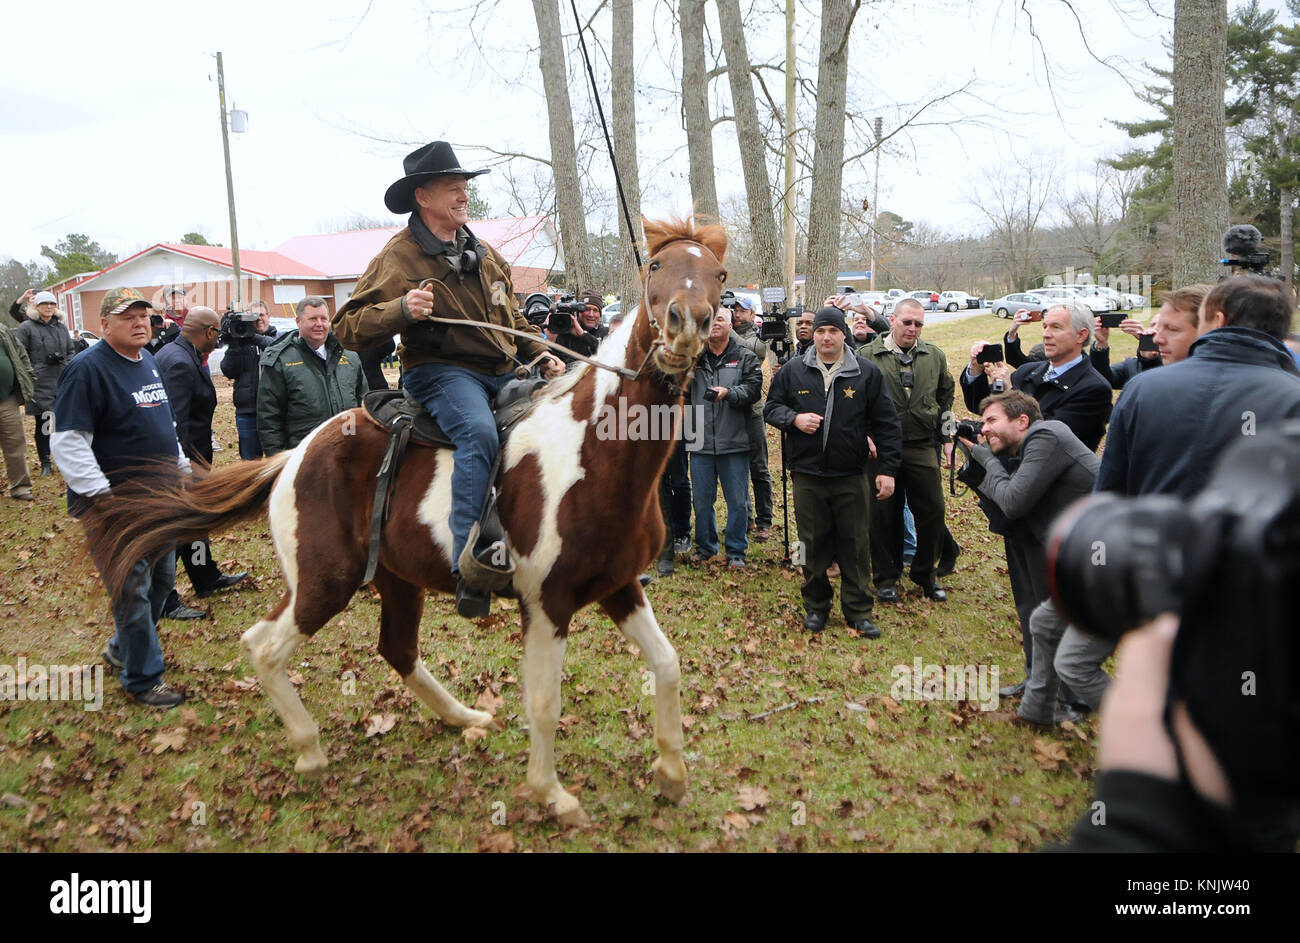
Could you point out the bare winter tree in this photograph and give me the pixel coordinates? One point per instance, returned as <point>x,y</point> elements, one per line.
<point>624,105</point>
<point>758,188</point>
<point>695,109</point>
<point>828,159</point>
<point>1200,154</point>
<point>1013,200</point>
<point>564,160</point>
<point>1092,220</point>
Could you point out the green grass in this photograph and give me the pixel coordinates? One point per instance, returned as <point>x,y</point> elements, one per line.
<point>911,776</point>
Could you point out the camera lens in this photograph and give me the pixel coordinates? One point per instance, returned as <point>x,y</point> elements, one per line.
<point>1115,563</point>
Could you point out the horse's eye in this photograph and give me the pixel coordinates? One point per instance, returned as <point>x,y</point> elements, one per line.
<point>722,277</point>
<point>654,266</point>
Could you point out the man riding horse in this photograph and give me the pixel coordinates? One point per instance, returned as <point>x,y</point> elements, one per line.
<point>437,268</point>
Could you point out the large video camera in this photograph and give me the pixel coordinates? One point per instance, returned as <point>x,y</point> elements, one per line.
<point>775,329</point>
<point>1226,562</point>
<point>559,321</point>
<point>1241,245</point>
<point>237,327</point>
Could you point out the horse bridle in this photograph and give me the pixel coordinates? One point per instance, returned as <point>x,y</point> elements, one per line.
<point>623,372</point>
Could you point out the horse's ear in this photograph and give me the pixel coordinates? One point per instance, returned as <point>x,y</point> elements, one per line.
<point>713,238</point>
<point>656,234</point>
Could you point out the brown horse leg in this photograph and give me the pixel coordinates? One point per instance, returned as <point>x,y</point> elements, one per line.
<point>399,632</point>
<point>632,614</point>
<point>543,662</point>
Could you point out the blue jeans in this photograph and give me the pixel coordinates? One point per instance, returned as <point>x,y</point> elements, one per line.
<point>732,470</point>
<point>461,400</point>
<point>909,533</point>
<point>250,443</point>
<point>135,618</point>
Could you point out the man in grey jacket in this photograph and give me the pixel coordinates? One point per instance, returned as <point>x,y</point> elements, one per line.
<point>726,383</point>
<point>1054,469</point>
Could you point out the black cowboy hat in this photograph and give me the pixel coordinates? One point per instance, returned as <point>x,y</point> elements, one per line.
<point>422,165</point>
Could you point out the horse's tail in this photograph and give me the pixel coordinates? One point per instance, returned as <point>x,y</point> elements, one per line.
<point>141,517</point>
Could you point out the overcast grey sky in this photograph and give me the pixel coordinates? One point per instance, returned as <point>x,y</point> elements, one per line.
<point>110,122</point>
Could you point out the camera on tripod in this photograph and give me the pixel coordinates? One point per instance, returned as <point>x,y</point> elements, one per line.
<point>775,328</point>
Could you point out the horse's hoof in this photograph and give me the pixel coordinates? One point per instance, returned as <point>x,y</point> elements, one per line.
<point>309,765</point>
<point>573,818</point>
<point>480,719</point>
<point>671,787</point>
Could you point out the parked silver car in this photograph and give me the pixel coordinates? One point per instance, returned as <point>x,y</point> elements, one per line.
<point>1008,305</point>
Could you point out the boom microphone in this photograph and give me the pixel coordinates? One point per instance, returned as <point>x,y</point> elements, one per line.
<point>1241,240</point>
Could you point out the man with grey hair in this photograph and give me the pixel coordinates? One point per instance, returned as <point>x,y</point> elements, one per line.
<point>1067,386</point>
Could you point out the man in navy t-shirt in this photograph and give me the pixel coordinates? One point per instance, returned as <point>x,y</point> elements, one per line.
<point>112,414</point>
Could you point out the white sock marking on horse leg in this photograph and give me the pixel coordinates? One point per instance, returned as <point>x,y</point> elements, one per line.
<point>270,646</point>
<point>543,662</point>
<point>643,630</point>
<point>440,701</point>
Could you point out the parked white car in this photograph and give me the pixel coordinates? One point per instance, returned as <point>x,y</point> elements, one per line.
<point>1099,304</point>
<point>956,300</point>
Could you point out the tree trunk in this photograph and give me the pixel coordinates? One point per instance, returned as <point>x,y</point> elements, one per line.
<point>1200,158</point>
<point>624,105</point>
<point>695,110</point>
<point>828,158</point>
<point>753,162</point>
<point>564,158</point>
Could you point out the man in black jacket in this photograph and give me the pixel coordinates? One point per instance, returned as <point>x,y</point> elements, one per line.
<point>1066,386</point>
<point>726,383</point>
<point>587,332</point>
<point>240,363</point>
<point>193,400</point>
<point>1171,424</point>
<point>832,404</point>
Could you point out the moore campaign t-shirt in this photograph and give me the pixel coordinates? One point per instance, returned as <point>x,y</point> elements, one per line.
<point>122,404</point>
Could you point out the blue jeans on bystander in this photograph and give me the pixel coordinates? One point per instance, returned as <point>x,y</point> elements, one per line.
<point>135,618</point>
<point>732,469</point>
<point>250,443</point>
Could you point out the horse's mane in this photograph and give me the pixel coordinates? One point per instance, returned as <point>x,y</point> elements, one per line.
<point>660,233</point>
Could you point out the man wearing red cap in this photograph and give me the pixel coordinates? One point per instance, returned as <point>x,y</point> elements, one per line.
<point>437,268</point>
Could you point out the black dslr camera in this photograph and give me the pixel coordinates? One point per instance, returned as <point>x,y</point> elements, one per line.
<point>237,327</point>
<point>54,358</point>
<point>559,320</point>
<point>1226,562</point>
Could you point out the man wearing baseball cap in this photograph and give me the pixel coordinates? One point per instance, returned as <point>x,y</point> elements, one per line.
<point>112,414</point>
<point>833,404</point>
<point>587,332</point>
<point>436,267</point>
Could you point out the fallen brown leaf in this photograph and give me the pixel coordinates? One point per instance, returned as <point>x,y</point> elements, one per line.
<point>753,797</point>
<point>377,724</point>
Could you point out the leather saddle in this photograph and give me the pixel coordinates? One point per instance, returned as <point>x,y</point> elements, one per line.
<point>484,562</point>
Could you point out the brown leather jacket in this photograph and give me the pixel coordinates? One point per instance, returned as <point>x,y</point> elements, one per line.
<point>377,310</point>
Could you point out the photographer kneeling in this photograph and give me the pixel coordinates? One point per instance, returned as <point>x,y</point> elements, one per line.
<point>1031,469</point>
<point>244,342</point>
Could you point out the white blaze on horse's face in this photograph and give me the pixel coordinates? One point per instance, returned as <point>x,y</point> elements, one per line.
<point>682,287</point>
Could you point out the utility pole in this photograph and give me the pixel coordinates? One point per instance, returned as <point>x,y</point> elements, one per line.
<point>230,187</point>
<point>875,203</point>
<point>789,151</point>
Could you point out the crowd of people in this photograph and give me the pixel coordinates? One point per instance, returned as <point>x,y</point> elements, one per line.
<point>863,407</point>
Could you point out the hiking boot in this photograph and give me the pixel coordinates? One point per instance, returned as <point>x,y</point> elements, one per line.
<point>182,611</point>
<point>160,695</point>
<point>472,603</point>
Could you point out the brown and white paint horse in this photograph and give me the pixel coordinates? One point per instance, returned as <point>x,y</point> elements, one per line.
<point>568,495</point>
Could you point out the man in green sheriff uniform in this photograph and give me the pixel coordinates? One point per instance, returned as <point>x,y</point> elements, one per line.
<point>921,387</point>
<point>306,377</point>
